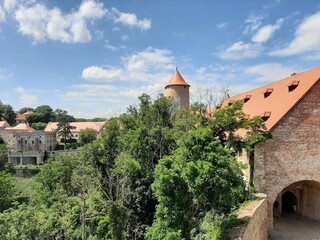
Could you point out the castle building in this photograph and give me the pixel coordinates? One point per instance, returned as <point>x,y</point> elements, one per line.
<point>178,91</point>
<point>287,167</point>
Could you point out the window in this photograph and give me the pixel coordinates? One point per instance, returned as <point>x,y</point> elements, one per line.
<point>268,92</point>
<point>247,98</point>
<point>230,102</point>
<point>293,86</point>
<point>265,116</point>
<point>32,141</point>
<point>219,106</point>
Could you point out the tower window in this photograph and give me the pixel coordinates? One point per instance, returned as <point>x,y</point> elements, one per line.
<point>247,98</point>
<point>293,86</point>
<point>268,92</point>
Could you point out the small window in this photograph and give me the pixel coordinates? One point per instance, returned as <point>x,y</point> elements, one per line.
<point>32,141</point>
<point>230,102</point>
<point>268,92</point>
<point>265,116</point>
<point>40,141</point>
<point>293,86</point>
<point>247,98</point>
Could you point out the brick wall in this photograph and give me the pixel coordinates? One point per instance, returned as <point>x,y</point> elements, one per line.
<point>294,152</point>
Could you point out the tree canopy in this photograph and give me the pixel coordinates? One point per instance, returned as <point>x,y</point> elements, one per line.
<point>152,173</point>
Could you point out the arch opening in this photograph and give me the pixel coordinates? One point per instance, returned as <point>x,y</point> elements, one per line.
<point>289,203</point>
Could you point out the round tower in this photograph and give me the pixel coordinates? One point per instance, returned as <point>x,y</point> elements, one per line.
<point>178,91</point>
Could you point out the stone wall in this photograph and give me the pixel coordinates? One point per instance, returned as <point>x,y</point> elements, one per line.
<point>293,154</point>
<point>256,213</point>
<point>179,94</point>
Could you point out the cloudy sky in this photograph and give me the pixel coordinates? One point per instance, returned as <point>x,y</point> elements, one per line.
<point>95,57</point>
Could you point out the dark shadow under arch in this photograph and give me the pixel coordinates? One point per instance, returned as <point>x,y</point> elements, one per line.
<point>289,203</point>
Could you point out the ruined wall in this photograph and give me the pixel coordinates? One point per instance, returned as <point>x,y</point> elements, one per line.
<point>294,152</point>
<point>256,229</point>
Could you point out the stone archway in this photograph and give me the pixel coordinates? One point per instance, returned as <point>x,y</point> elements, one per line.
<point>300,198</point>
<point>296,211</point>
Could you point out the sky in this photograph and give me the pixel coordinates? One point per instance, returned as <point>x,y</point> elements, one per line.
<point>95,57</point>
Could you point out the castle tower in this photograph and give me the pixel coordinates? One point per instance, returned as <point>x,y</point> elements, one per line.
<point>178,91</point>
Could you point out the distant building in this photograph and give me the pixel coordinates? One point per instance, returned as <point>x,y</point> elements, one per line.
<point>21,118</point>
<point>4,124</point>
<point>53,127</point>
<point>27,145</point>
<point>178,91</point>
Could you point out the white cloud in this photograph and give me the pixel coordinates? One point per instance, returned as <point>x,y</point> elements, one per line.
<point>42,24</point>
<point>2,15</point>
<point>26,100</point>
<point>131,20</point>
<point>100,74</point>
<point>306,39</point>
<point>124,37</point>
<point>221,25</point>
<point>9,4</point>
<point>253,23</point>
<point>110,46</point>
<point>266,32</point>
<point>150,58</point>
<point>270,72</point>
<point>241,50</point>
<point>144,66</point>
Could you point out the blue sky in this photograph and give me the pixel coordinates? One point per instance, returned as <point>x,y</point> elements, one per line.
<point>94,58</point>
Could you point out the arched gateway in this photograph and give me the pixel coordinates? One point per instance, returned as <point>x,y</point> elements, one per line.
<point>298,199</point>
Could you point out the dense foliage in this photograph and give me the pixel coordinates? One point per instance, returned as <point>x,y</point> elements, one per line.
<point>153,173</point>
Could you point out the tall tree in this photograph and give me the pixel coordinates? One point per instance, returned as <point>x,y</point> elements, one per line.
<point>7,113</point>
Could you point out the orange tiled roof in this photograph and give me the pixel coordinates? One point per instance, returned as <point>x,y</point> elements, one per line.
<point>274,100</point>
<point>52,126</point>
<point>20,117</point>
<point>4,124</point>
<point>177,80</point>
<point>27,113</point>
<point>21,127</point>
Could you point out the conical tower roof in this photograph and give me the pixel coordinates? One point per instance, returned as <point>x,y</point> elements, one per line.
<point>177,80</point>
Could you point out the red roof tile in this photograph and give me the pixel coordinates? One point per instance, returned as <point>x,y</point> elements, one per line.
<point>177,80</point>
<point>52,126</point>
<point>274,100</point>
<point>21,127</point>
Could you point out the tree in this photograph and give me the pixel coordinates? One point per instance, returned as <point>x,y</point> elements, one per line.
<point>26,109</point>
<point>202,174</point>
<point>64,131</point>
<point>6,191</point>
<point>62,116</point>
<point>86,136</point>
<point>7,113</point>
<point>43,114</point>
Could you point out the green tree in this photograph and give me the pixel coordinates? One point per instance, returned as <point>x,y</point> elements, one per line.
<point>6,191</point>
<point>26,109</point>
<point>43,114</point>
<point>86,136</point>
<point>7,113</point>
